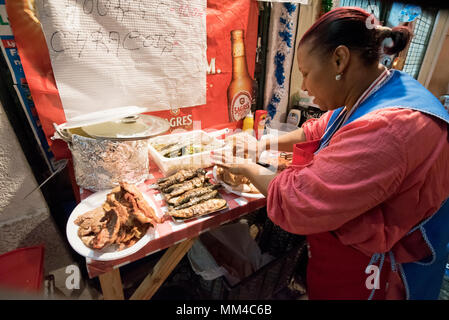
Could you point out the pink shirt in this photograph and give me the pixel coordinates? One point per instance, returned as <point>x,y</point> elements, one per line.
<point>380,176</point>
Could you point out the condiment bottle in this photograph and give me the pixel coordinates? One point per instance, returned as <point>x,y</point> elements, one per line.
<point>248,123</point>
<point>259,123</point>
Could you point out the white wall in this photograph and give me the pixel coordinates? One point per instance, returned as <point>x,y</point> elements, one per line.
<point>25,222</point>
<point>16,179</point>
<point>19,217</point>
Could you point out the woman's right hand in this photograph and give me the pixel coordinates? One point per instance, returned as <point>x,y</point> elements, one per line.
<point>245,146</point>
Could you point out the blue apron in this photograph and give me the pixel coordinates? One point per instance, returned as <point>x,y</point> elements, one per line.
<point>422,279</point>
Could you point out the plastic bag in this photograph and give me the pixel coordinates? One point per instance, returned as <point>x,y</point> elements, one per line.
<point>227,251</point>
<point>203,263</point>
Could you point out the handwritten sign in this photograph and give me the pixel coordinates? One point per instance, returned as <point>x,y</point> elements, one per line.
<point>107,54</point>
<point>292,1</point>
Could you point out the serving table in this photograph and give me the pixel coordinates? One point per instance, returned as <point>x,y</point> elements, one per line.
<point>176,237</point>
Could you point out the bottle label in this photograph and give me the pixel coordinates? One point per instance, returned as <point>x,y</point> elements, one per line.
<point>238,50</point>
<point>240,105</point>
<point>262,121</point>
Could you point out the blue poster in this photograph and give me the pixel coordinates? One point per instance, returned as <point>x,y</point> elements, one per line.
<point>401,12</point>
<point>9,50</point>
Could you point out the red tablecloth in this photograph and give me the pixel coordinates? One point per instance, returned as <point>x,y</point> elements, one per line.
<point>170,232</point>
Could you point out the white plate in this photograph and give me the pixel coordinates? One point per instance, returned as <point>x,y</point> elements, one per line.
<point>229,188</point>
<point>110,252</point>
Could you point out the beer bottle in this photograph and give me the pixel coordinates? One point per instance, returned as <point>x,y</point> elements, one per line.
<point>240,90</point>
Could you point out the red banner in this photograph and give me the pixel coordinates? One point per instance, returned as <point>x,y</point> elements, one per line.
<point>222,17</point>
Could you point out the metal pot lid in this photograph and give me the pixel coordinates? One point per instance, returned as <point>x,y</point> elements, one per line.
<point>123,123</point>
<point>129,128</point>
<point>102,116</point>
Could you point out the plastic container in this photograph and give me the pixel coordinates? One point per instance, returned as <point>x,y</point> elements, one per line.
<point>294,117</point>
<point>280,128</point>
<point>203,159</point>
<point>259,122</point>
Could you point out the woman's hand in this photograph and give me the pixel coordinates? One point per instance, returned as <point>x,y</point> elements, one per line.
<point>259,176</point>
<point>245,146</point>
<point>235,165</point>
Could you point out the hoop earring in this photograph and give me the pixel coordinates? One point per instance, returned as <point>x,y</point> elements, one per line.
<point>338,77</point>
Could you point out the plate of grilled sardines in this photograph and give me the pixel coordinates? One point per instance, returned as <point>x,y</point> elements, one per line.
<point>190,193</point>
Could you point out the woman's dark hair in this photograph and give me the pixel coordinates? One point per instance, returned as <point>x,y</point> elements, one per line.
<point>356,29</point>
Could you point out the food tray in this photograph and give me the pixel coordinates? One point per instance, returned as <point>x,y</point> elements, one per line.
<point>203,159</point>
<point>218,196</point>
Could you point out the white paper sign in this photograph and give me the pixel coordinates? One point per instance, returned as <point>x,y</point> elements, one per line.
<point>113,53</point>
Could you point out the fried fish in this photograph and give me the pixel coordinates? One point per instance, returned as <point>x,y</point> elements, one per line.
<point>122,219</point>
<point>141,210</point>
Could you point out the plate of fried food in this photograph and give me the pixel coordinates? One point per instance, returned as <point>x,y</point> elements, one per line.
<point>237,184</point>
<point>189,193</point>
<point>112,224</point>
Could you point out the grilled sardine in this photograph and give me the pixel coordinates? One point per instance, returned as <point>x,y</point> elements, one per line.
<point>176,201</point>
<point>161,147</point>
<point>196,200</point>
<point>171,188</point>
<point>180,176</point>
<point>175,149</point>
<point>186,186</point>
<point>200,209</point>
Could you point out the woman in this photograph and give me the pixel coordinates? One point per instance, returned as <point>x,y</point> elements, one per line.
<point>369,179</point>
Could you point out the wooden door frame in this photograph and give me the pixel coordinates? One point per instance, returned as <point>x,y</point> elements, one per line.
<point>439,33</point>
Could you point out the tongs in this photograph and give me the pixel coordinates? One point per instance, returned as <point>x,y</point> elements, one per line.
<point>284,155</point>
